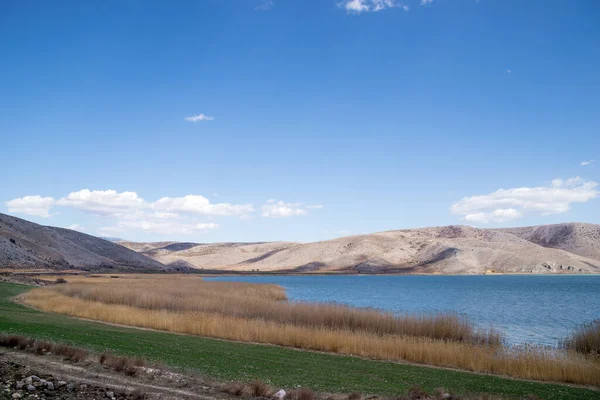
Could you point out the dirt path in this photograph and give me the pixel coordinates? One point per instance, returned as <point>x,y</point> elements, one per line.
<point>89,380</point>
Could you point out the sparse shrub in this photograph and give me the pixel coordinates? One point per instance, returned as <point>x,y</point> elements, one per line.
<point>42,347</point>
<point>60,280</point>
<point>300,394</point>
<point>139,362</point>
<point>305,394</point>
<point>16,341</point>
<point>73,354</point>
<point>234,389</point>
<point>126,365</point>
<point>120,364</point>
<point>260,389</point>
<point>586,339</point>
<point>355,396</point>
<point>416,393</point>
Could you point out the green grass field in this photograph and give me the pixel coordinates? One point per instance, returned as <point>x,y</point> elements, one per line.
<point>280,367</point>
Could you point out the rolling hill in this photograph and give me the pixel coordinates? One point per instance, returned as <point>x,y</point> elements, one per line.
<point>564,248</point>
<point>26,245</point>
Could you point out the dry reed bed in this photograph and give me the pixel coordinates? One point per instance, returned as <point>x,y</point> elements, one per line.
<point>262,302</point>
<point>527,363</point>
<point>586,339</point>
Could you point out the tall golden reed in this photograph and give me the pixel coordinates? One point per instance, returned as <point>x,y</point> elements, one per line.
<point>262,302</point>
<point>85,301</point>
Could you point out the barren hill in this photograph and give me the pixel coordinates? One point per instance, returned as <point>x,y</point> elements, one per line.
<point>576,238</point>
<point>445,250</point>
<point>26,245</point>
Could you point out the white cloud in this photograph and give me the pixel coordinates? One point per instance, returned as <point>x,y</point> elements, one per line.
<point>76,227</point>
<point>130,212</point>
<point>158,227</point>
<point>279,209</point>
<point>587,162</point>
<point>199,117</point>
<point>509,71</point>
<point>31,205</point>
<point>426,2</point>
<point>359,6</point>
<point>509,204</point>
<point>265,5</point>
<point>103,202</point>
<point>200,205</point>
<point>499,215</point>
<point>356,6</point>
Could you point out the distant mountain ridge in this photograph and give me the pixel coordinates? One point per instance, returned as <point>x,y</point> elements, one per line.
<point>561,248</point>
<point>26,245</point>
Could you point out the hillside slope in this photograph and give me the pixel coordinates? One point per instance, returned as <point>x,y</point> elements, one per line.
<point>445,250</point>
<point>26,245</point>
<point>576,238</point>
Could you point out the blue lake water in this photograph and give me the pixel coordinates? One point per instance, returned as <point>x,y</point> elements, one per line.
<point>538,309</point>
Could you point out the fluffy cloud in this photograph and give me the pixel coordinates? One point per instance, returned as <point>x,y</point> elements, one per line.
<point>587,162</point>
<point>280,209</point>
<point>103,202</point>
<point>130,212</point>
<point>509,204</point>
<point>499,215</point>
<point>31,205</point>
<point>158,227</point>
<point>199,117</point>
<point>425,2</point>
<point>127,211</point>
<point>359,6</point>
<point>76,227</point>
<point>127,205</point>
<point>196,204</point>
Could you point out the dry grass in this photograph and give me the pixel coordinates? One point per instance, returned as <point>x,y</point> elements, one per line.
<point>42,347</point>
<point>260,389</point>
<point>236,389</point>
<point>265,302</point>
<point>585,340</point>
<point>301,394</point>
<point>528,362</point>
<point>81,277</point>
<point>127,365</point>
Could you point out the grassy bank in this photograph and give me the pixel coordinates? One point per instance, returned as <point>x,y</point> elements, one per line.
<point>279,366</point>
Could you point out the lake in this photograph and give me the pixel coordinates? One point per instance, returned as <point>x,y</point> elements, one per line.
<point>536,309</point>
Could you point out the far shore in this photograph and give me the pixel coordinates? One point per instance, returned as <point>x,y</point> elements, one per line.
<point>229,273</point>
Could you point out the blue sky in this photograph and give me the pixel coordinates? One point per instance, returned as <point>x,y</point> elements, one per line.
<point>313,119</point>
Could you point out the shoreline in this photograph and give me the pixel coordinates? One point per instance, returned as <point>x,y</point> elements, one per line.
<point>218,273</point>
